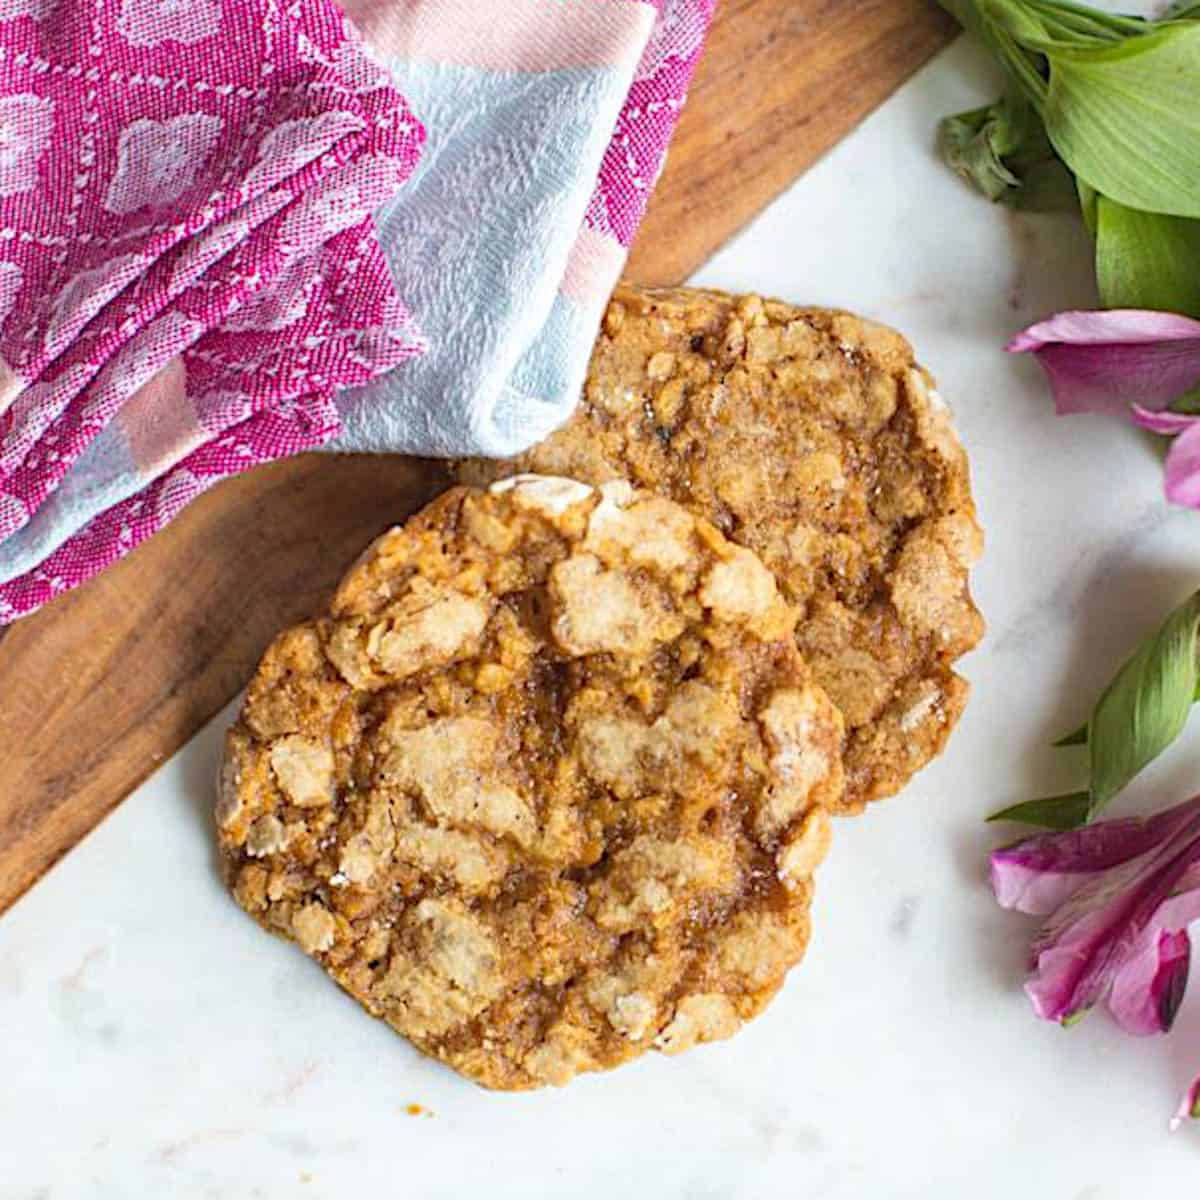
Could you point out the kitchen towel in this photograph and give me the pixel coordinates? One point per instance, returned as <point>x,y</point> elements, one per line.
<point>547,130</point>
<point>545,125</point>
<point>189,269</point>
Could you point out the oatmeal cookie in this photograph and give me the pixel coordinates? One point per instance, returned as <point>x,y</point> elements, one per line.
<point>547,786</point>
<point>813,438</point>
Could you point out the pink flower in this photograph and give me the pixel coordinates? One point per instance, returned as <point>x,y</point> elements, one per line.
<point>1118,897</point>
<point>1127,362</point>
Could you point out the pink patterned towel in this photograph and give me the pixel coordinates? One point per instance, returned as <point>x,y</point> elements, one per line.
<point>190,274</point>
<point>188,265</point>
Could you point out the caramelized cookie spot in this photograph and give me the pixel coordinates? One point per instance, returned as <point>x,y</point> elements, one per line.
<point>304,770</point>
<point>451,765</point>
<point>600,611</point>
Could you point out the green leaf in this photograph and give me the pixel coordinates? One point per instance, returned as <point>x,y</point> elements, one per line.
<point>1000,24</point>
<point>1016,19</point>
<point>1125,117</point>
<point>1055,812</point>
<point>1074,22</point>
<point>1077,737</point>
<point>1147,260</point>
<point>1087,204</point>
<point>974,143</point>
<point>1146,706</point>
<point>1004,151</point>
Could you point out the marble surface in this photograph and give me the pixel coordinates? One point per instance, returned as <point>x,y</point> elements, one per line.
<point>155,1044</point>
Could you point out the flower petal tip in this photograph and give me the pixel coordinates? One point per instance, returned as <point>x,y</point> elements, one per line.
<point>1189,1106</point>
<point>1023,343</point>
<point>1182,472</point>
<point>1162,420</point>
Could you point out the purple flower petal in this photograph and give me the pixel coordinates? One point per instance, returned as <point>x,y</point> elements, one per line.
<point>1183,469</point>
<point>1077,966</point>
<point>1052,987</point>
<point>1085,327</point>
<point>1163,421</point>
<point>1037,874</point>
<point>1105,361</point>
<point>1148,988</point>
<point>1108,919</point>
<point>1122,894</point>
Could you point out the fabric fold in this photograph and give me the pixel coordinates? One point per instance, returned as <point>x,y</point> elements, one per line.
<point>562,126</point>
<point>259,197</point>
<point>215,255</point>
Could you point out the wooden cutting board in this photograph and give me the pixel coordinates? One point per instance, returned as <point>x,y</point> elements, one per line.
<point>104,684</point>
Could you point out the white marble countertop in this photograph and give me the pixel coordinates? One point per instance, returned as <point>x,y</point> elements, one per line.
<point>153,1043</point>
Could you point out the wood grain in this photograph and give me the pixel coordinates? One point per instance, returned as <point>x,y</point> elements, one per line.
<point>781,82</point>
<point>104,684</point>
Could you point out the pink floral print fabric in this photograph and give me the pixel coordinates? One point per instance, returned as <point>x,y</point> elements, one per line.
<point>638,148</point>
<point>188,261</point>
<point>185,181</point>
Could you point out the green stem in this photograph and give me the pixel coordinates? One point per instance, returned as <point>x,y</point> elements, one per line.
<point>1018,17</point>
<point>1075,33</point>
<point>1102,23</point>
<point>967,15</point>
<point>1022,68</point>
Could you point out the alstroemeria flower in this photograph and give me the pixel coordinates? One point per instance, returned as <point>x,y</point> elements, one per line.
<point>1119,896</point>
<point>1127,362</point>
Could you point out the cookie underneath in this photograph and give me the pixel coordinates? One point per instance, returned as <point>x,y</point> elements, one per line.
<point>546,788</point>
<point>813,438</point>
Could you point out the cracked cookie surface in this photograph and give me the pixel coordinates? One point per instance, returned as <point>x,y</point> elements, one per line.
<point>546,788</point>
<point>813,438</point>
